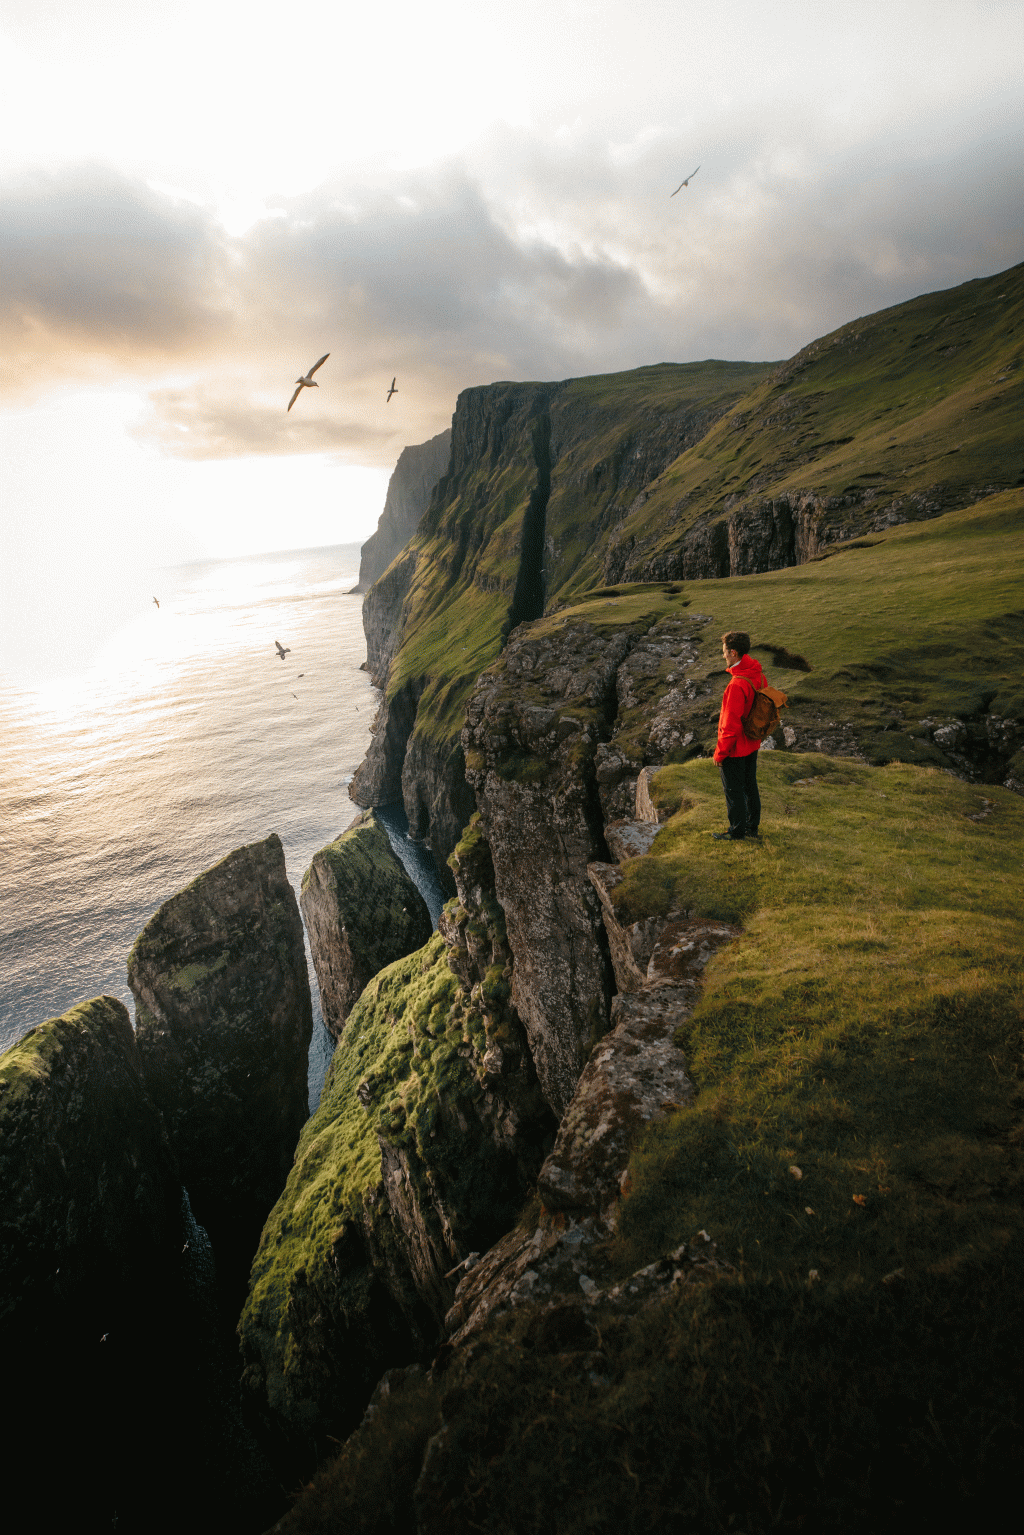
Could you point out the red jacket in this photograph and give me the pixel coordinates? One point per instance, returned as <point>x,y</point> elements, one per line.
<point>736,702</point>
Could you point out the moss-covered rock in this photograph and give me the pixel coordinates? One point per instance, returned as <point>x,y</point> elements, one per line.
<point>224,1021</point>
<point>415,1158</point>
<point>362,912</point>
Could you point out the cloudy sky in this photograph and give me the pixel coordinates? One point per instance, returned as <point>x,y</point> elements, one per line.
<point>201,198</point>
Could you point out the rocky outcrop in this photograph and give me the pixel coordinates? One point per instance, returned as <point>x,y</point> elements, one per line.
<point>92,1197</point>
<point>409,489</point>
<point>430,1129</point>
<point>635,1076</point>
<point>362,912</point>
<point>532,729</point>
<point>223,1022</point>
<point>557,733</point>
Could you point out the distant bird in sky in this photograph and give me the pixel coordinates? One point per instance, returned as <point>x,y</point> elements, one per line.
<point>391,391</point>
<point>685,183</point>
<point>282,650</point>
<point>308,382</point>
<point>157,603</point>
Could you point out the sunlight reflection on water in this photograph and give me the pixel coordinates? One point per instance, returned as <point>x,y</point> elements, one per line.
<point>186,737</point>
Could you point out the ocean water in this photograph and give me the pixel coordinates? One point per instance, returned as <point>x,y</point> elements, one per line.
<point>186,737</point>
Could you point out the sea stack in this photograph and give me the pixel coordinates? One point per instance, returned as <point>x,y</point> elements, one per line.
<point>224,1020</point>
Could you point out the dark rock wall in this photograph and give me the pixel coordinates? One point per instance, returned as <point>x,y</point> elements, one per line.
<point>224,1020</point>
<point>91,1193</point>
<point>430,1130</point>
<point>532,731</point>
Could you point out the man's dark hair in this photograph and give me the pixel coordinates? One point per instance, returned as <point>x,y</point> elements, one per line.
<point>738,641</point>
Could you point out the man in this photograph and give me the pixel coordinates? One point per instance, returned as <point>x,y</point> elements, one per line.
<point>736,753</point>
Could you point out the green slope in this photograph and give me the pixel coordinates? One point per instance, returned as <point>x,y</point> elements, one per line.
<point>902,413</point>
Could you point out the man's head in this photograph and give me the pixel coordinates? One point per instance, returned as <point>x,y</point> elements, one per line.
<point>734,645</point>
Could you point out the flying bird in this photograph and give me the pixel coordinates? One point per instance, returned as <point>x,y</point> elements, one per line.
<point>391,391</point>
<point>282,650</point>
<point>679,188</point>
<point>157,603</point>
<point>308,382</point>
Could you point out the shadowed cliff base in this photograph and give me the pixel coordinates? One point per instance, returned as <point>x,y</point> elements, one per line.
<point>115,1364</point>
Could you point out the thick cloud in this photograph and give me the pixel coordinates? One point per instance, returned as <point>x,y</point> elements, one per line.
<point>534,255</point>
<point>95,262</point>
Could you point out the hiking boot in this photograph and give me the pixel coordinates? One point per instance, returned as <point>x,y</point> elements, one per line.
<point>726,836</point>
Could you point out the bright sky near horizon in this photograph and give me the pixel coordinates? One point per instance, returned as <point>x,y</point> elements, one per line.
<point>201,198</point>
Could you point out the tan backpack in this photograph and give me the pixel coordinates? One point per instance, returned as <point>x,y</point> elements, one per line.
<point>763,715</point>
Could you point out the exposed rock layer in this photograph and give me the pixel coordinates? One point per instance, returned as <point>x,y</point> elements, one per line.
<point>430,1128</point>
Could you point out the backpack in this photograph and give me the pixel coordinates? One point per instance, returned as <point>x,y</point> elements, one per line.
<point>763,715</point>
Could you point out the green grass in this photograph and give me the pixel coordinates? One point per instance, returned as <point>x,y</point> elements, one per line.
<point>866,1027</point>
<point>864,1357</point>
<point>921,399</point>
<point>416,1040</point>
<point>925,623</point>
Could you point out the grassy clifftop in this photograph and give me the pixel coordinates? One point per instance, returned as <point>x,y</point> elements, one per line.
<point>698,472</point>
<point>538,472</point>
<point>899,414</point>
<point>855,1151</point>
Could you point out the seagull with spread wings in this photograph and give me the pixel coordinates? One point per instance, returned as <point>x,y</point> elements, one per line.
<point>679,188</point>
<point>392,390</point>
<point>308,382</point>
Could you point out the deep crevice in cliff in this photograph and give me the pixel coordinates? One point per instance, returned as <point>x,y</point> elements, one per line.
<point>528,597</point>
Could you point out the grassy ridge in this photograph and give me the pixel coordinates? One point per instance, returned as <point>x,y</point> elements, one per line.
<point>467,547</point>
<point>862,1367</point>
<point>923,399</point>
<point>925,622</point>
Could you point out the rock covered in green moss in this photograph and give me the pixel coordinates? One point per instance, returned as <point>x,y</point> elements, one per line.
<point>414,1160</point>
<point>91,1196</point>
<point>362,913</point>
<point>224,1021</point>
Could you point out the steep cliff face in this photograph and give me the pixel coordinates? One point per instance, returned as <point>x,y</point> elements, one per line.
<point>223,1022</point>
<point>409,489</point>
<point>538,474</point>
<point>362,912</point>
<point>92,1197</point>
<point>671,473</point>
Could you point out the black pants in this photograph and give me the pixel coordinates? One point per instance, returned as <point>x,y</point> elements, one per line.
<point>742,801</point>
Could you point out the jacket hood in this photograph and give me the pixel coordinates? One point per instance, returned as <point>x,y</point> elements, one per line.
<point>748,666</point>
